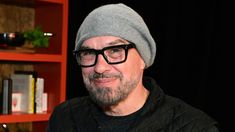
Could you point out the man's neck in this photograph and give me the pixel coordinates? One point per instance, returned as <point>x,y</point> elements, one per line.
<point>131,104</point>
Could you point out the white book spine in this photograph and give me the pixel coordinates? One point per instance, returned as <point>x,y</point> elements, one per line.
<point>44,100</point>
<point>39,95</point>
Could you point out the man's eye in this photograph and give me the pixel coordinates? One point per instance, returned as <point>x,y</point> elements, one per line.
<point>86,53</point>
<point>115,50</point>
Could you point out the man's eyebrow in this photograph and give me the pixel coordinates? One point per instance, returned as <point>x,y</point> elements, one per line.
<point>84,47</point>
<point>118,41</point>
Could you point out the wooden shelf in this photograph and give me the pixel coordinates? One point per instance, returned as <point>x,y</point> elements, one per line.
<point>7,56</point>
<point>50,63</point>
<point>24,118</point>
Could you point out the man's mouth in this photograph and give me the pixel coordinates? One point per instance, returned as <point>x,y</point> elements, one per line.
<point>103,80</point>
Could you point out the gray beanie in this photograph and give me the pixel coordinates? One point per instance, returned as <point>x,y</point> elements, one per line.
<point>121,21</point>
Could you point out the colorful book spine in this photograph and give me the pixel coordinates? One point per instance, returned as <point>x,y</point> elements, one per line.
<point>31,95</point>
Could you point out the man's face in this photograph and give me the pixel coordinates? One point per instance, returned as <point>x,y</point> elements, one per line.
<point>109,84</point>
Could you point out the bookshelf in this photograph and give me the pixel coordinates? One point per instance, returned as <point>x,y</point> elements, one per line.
<point>50,63</point>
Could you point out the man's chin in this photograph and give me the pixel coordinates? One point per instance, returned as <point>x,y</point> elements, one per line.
<point>104,102</point>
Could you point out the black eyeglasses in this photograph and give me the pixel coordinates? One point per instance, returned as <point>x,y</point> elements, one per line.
<point>112,55</point>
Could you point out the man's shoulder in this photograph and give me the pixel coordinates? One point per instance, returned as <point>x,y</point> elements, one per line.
<point>181,108</point>
<point>77,103</point>
<point>66,115</point>
<point>187,117</point>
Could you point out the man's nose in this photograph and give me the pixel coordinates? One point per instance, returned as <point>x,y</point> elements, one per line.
<point>101,64</point>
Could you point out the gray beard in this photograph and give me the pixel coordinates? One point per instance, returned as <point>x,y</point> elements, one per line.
<point>107,96</point>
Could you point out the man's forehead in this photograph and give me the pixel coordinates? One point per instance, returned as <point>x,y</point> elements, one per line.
<point>103,41</point>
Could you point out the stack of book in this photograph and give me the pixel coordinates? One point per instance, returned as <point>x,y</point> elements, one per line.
<point>23,92</point>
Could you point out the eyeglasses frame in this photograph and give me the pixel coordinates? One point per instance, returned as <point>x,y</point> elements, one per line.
<point>126,47</point>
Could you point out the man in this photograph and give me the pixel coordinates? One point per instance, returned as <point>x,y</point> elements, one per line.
<point>113,48</point>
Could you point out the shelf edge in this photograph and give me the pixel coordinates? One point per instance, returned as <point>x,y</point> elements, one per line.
<point>30,57</point>
<point>24,118</point>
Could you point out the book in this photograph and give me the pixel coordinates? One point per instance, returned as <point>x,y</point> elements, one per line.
<point>39,95</point>
<point>44,102</point>
<point>6,96</point>
<point>31,100</point>
<point>16,102</point>
<point>32,107</point>
<point>24,84</point>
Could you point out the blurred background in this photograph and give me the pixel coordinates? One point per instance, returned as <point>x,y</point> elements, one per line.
<point>190,36</point>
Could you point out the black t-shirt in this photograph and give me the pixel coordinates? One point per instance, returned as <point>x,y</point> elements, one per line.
<point>116,123</point>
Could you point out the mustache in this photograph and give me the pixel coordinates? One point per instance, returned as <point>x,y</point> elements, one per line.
<point>104,75</point>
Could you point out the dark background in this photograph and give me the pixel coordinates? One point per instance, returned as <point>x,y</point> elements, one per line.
<point>189,63</point>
